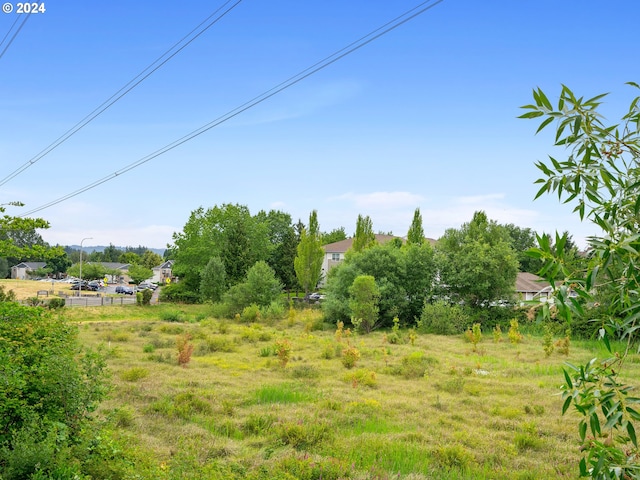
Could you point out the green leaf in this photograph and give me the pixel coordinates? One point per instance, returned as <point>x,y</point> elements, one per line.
<point>632,434</point>
<point>582,430</point>
<point>566,405</point>
<point>544,124</point>
<point>531,115</point>
<point>594,424</point>
<point>543,98</point>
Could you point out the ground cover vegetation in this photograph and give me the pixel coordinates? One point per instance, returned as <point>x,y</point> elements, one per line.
<point>195,396</point>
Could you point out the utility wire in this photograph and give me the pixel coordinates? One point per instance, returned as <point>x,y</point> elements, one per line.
<point>26,17</point>
<point>137,80</point>
<point>334,57</point>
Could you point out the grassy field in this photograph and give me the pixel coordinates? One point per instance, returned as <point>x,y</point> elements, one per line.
<point>432,409</point>
<point>29,288</point>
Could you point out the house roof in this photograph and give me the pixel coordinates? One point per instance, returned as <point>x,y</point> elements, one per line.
<point>30,265</point>
<point>344,245</point>
<point>528,282</point>
<point>167,264</point>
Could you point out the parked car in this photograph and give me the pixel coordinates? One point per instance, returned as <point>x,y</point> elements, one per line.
<point>145,285</point>
<point>85,286</point>
<point>124,290</point>
<point>95,284</point>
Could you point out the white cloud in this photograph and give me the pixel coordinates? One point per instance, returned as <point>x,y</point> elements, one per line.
<point>381,200</point>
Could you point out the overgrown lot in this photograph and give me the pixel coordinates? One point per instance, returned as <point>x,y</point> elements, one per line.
<point>434,408</point>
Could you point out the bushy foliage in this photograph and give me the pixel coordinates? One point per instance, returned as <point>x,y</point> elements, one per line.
<point>404,276</point>
<point>363,302</point>
<point>442,318</point>
<point>48,389</point>
<point>261,288</point>
<point>179,293</point>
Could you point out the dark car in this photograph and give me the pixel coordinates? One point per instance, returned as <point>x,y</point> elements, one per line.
<point>124,289</point>
<point>85,286</point>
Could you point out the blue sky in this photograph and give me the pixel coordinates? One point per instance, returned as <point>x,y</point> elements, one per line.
<point>424,116</point>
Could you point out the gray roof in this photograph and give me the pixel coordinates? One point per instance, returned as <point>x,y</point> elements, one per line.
<point>528,282</point>
<point>30,265</point>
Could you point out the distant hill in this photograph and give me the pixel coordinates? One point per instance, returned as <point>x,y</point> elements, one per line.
<point>100,248</point>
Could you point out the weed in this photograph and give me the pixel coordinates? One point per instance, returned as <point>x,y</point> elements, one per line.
<point>251,314</point>
<point>149,348</point>
<point>414,365</point>
<point>123,417</point>
<point>563,344</point>
<point>328,351</point>
<point>339,331</point>
<point>474,335</point>
<point>350,356</point>
<point>223,327</point>
<point>171,329</point>
<point>283,351</point>
<point>455,385</point>
<point>497,334</point>
<point>366,378</point>
<point>134,374</point>
<point>256,424</point>
<point>171,316</point>
<point>514,332</point>
<point>305,371</point>
<point>453,456</point>
<point>185,349</point>
<point>267,351</point>
<point>302,435</point>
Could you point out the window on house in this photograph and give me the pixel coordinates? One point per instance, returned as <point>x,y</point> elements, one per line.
<point>335,257</point>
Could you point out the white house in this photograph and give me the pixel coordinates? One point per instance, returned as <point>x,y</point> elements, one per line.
<point>532,287</point>
<point>22,270</point>
<point>162,272</point>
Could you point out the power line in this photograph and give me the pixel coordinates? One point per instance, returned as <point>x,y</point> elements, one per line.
<point>316,67</point>
<point>137,80</point>
<point>26,17</point>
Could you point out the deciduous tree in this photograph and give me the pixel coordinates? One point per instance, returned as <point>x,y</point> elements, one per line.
<point>600,177</point>
<point>476,263</point>
<point>415,235</point>
<point>213,281</point>
<point>364,237</point>
<point>363,302</point>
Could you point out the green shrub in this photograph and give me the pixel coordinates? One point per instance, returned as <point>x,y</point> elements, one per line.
<point>251,313</point>
<point>171,316</point>
<point>42,375</point>
<point>179,293</point>
<point>134,374</point>
<point>367,378</point>
<point>441,318</point>
<point>56,303</point>
<point>414,365</point>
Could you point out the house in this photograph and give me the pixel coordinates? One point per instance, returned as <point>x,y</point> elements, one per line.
<point>162,272</point>
<point>334,252</point>
<point>532,287</point>
<point>120,271</point>
<point>23,270</point>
